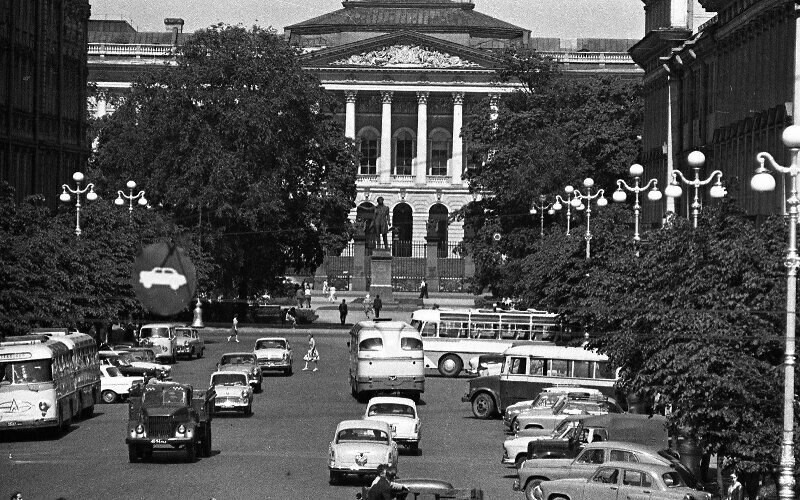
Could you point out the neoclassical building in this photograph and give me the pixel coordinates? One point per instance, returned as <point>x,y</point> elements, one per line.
<point>727,87</point>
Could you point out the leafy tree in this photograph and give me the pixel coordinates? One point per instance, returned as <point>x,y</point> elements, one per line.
<point>240,141</point>
<point>51,277</point>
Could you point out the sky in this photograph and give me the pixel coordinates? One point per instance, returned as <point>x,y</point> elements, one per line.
<point>566,19</point>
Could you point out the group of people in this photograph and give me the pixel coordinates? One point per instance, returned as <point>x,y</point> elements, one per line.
<point>303,295</point>
<point>329,291</point>
<point>372,306</point>
<point>384,486</point>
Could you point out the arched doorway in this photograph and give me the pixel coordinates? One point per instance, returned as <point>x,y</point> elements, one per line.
<point>403,222</point>
<point>437,218</point>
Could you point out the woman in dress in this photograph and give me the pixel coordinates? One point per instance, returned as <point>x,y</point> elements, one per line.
<point>312,355</point>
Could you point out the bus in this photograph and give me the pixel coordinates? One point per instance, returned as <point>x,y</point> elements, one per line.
<point>451,337</point>
<point>47,380</point>
<point>385,357</point>
<point>529,369</point>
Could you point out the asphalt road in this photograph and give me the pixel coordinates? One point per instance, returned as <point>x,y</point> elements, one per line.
<point>280,452</point>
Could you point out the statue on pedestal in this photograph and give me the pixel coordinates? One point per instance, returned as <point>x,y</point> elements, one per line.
<point>381,223</point>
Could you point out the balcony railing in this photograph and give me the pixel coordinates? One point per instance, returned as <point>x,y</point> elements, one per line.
<point>590,57</point>
<point>131,50</point>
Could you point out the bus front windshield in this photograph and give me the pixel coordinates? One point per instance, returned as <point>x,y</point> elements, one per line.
<point>26,372</point>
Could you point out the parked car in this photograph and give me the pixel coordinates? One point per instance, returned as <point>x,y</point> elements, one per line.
<point>547,418</point>
<point>245,362</point>
<point>622,480</point>
<point>188,342</point>
<point>358,447</point>
<point>534,471</point>
<point>401,415</point>
<point>274,353</point>
<point>114,386</point>
<point>515,448</point>
<point>130,366</point>
<point>233,392</point>
<point>160,337</point>
<point>485,364</point>
<point>547,398</point>
<point>145,356</point>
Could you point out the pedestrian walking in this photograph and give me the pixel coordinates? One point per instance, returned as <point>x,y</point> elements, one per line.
<point>312,355</point>
<point>734,490</point>
<point>307,294</point>
<point>343,311</point>
<point>331,294</point>
<point>300,296</point>
<point>423,289</point>
<point>367,305</point>
<point>377,305</point>
<point>234,329</point>
<point>291,317</point>
<point>325,287</point>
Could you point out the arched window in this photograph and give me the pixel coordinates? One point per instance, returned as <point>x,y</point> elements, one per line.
<point>440,152</point>
<point>368,140</point>
<point>404,151</point>
<point>437,216</point>
<point>403,222</point>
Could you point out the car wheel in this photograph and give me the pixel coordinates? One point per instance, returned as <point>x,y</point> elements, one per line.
<point>530,486</point>
<point>483,406</point>
<point>191,452</point>
<point>520,460</point>
<point>450,365</point>
<point>334,478</point>
<point>200,354</point>
<point>207,442</point>
<point>249,410</point>
<point>259,387</point>
<point>133,453</point>
<point>108,396</point>
<point>289,371</point>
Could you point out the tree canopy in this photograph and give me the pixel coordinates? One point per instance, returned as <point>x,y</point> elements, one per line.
<point>239,141</point>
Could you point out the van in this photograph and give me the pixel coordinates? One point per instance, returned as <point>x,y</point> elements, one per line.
<point>162,339</point>
<point>386,357</point>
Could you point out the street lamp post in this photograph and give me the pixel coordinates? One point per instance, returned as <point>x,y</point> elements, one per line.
<point>568,202</point>
<point>577,203</point>
<point>653,194</point>
<point>78,177</point>
<point>541,208</point>
<point>121,197</point>
<point>764,181</point>
<point>696,160</point>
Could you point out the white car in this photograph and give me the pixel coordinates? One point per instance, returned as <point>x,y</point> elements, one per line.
<point>144,359</point>
<point>233,392</point>
<point>401,415</point>
<point>114,386</point>
<point>358,447</point>
<point>274,353</point>
<point>165,276</point>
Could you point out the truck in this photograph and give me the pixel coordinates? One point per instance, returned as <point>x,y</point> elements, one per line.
<point>169,415</point>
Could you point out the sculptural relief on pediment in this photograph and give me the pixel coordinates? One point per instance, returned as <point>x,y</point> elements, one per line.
<point>406,56</point>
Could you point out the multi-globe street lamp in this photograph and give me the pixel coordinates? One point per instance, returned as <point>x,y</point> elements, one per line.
<point>577,203</point>
<point>121,197</point>
<point>696,160</point>
<point>78,177</point>
<point>653,194</point>
<point>764,181</point>
<point>568,202</point>
<point>540,210</point>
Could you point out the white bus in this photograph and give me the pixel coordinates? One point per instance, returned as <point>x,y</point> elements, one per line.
<point>46,380</point>
<point>529,369</point>
<point>385,357</point>
<point>452,336</point>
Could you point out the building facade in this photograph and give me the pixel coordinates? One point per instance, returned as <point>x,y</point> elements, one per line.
<point>727,88</point>
<point>43,74</point>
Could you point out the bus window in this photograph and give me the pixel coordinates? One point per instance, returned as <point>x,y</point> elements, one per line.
<point>537,366</point>
<point>518,366</point>
<point>410,344</point>
<point>508,332</point>
<point>558,368</point>
<point>428,330</point>
<point>373,344</point>
<point>581,369</point>
<point>604,371</point>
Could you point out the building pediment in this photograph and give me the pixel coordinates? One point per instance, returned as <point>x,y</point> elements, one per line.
<point>402,50</point>
<point>405,56</point>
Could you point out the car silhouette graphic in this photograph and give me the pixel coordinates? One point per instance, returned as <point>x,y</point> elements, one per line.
<point>165,276</point>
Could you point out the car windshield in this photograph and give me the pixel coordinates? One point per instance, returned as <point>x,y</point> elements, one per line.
<point>229,379</point>
<point>125,358</point>
<point>113,371</point>
<point>238,359</point>
<point>394,409</point>
<point>155,332</point>
<point>184,333</point>
<point>143,356</point>
<point>156,396</point>
<point>271,344</point>
<point>26,372</point>
<point>373,435</point>
<point>545,400</point>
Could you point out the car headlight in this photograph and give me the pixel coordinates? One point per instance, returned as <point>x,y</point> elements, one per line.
<point>163,348</point>
<point>332,457</point>
<point>286,356</point>
<point>140,429</point>
<point>181,429</point>
<point>244,394</point>
<point>254,371</point>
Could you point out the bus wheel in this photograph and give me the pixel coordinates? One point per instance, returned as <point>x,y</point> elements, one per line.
<point>483,406</point>
<point>450,365</point>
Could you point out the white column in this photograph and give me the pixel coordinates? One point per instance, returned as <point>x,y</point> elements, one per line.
<point>350,114</point>
<point>672,133</point>
<point>385,173</point>
<point>458,144</point>
<point>422,137</point>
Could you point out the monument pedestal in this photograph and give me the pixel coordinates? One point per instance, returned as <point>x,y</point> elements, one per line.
<point>381,276</point>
